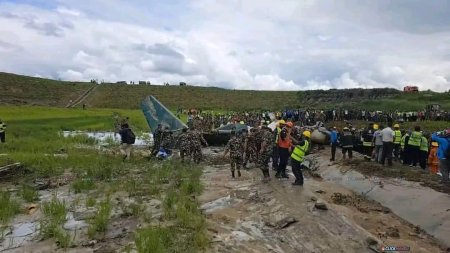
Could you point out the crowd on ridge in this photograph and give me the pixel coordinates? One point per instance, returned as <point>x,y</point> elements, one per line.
<point>206,121</point>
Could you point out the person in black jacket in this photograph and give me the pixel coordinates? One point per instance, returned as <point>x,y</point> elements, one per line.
<point>127,140</point>
<point>346,139</point>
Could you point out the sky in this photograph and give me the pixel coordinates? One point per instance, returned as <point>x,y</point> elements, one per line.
<point>235,44</point>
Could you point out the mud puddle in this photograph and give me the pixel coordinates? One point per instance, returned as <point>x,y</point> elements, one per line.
<point>247,215</point>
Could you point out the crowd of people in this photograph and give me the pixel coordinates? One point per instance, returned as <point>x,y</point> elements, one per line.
<point>290,141</point>
<point>210,120</point>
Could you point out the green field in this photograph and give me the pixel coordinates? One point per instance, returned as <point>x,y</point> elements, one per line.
<point>33,132</point>
<point>33,139</point>
<point>19,90</point>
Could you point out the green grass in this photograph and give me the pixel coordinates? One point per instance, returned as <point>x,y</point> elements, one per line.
<point>154,239</point>
<point>17,89</point>
<point>33,137</point>
<point>29,193</point>
<point>8,207</point>
<point>83,184</point>
<point>181,207</point>
<point>90,201</point>
<point>56,210</point>
<point>54,216</point>
<point>99,223</point>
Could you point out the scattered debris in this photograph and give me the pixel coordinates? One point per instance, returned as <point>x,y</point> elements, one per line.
<point>313,198</point>
<point>32,209</point>
<point>89,243</point>
<point>320,205</point>
<point>371,241</point>
<point>374,248</point>
<point>286,222</point>
<point>10,169</point>
<point>340,199</point>
<point>393,232</point>
<point>54,182</point>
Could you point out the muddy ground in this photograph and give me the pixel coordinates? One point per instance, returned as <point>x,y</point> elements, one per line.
<point>248,215</point>
<point>243,215</point>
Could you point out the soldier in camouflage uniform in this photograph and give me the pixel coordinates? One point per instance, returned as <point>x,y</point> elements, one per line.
<point>235,148</point>
<point>250,147</point>
<point>266,151</point>
<point>196,145</point>
<point>157,134</point>
<point>184,143</point>
<point>166,140</point>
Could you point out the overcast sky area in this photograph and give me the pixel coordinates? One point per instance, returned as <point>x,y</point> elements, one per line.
<point>239,44</point>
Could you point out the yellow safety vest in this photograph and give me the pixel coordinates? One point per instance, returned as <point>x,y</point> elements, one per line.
<point>424,145</point>
<point>367,144</point>
<point>2,127</point>
<point>415,139</point>
<point>402,142</point>
<point>278,135</point>
<point>398,137</point>
<point>300,151</point>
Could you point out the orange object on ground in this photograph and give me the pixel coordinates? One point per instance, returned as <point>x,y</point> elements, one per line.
<point>433,161</point>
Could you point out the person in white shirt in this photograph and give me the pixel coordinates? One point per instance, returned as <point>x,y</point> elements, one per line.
<point>387,136</point>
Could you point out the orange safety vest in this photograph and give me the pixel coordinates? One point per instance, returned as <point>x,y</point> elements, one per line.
<point>286,143</point>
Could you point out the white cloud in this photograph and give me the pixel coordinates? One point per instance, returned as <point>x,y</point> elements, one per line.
<point>252,44</point>
<point>66,11</point>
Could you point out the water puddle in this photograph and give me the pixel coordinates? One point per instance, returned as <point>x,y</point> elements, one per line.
<point>18,235</point>
<point>107,138</point>
<point>218,204</point>
<point>72,224</point>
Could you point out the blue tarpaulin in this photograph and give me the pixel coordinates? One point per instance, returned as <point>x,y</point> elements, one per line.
<point>156,113</point>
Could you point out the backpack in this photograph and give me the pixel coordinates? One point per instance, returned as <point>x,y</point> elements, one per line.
<point>129,137</point>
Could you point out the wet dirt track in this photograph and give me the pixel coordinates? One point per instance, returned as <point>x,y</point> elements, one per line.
<point>247,215</point>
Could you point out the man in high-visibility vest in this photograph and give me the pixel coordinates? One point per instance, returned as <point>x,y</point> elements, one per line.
<point>276,134</point>
<point>405,149</point>
<point>397,141</point>
<point>2,131</point>
<point>423,153</point>
<point>414,146</point>
<point>297,157</point>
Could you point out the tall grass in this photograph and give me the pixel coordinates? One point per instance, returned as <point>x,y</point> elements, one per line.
<point>8,207</point>
<point>54,216</point>
<point>181,207</point>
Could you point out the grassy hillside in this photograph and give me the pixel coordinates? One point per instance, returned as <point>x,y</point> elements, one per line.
<point>126,96</point>
<point>388,102</point>
<point>16,89</point>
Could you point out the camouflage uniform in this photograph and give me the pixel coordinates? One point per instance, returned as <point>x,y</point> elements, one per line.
<point>166,140</point>
<point>196,145</point>
<point>266,154</point>
<point>157,136</point>
<point>251,147</point>
<point>184,143</point>
<point>236,148</point>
